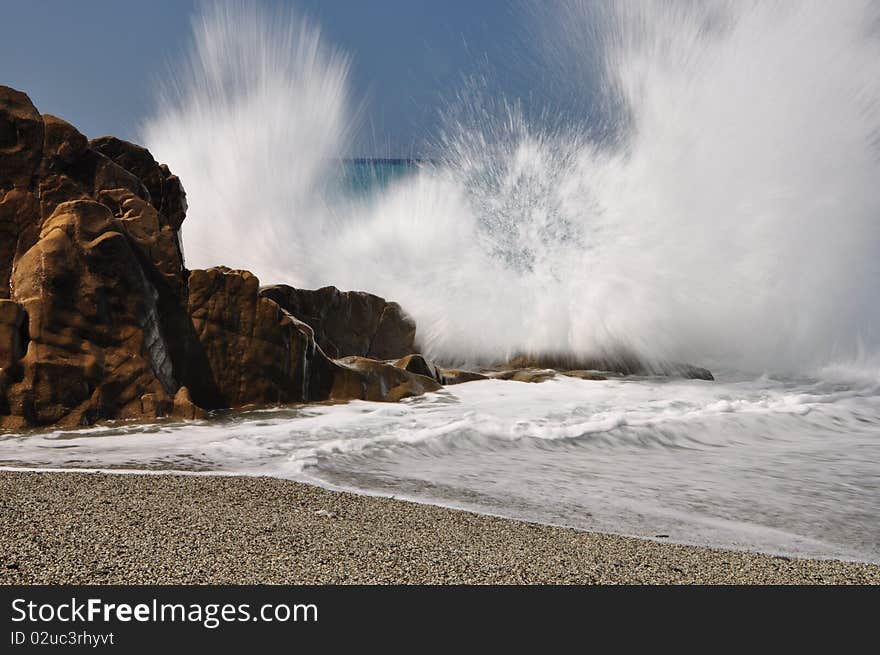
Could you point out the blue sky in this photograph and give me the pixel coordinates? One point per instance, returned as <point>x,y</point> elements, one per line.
<point>96,63</point>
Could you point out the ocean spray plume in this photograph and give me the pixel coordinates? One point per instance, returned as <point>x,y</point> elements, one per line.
<point>253,121</point>
<point>728,218</point>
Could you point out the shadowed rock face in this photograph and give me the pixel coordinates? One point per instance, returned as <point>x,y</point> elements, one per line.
<point>418,364</point>
<point>95,344</point>
<point>166,192</point>
<point>21,148</point>
<point>21,138</point>
<point>349,323</point>
<point>258,352</point>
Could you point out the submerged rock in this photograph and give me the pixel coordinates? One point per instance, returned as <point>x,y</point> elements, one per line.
<point>524,374</point>
<point>584,375</point>
<point>622,363</point>
<point>458,376</point>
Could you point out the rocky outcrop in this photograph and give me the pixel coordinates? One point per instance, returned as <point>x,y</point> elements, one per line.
<point>584,375</point>
<point>100,319</point>
<point>21,148</point>
<point>369,379</point>
<point>95,347</point>
<point>82,252</point>
<point>166,192</point>
<point>257,352</point>
<point>349,323</point>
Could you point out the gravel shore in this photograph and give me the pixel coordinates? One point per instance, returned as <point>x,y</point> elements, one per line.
<point>90,528</point>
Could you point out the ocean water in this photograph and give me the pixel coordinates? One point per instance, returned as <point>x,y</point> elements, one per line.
<point>365,177</point>
<point>716,203</point>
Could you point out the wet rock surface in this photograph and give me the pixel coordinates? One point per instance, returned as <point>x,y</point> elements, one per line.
<point>349,323</point>
<point>621,364</point>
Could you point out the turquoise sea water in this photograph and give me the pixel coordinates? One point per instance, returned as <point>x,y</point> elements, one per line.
<point>359,176</point>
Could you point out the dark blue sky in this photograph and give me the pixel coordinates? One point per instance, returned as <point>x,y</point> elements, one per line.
<point>96,63</point>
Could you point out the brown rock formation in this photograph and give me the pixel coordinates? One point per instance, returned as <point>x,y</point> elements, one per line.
<point>99,318</point>
<point>350,322</point>
<point>421,366</point>
<point>166,192</point>
<point>369,379</point>
<point>21,138</point>
<point>95,345</point>
<point>258,352</point>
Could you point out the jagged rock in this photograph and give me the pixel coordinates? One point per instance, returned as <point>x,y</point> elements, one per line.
<point>118,263</point>
<point>146,227</point>
<point>350,322</point>
<point>21,139</point>
<point>421,366</point>
<point>70,170</point>
<point>73,168</point>
<point>368,379</point>
<point>166,192</point>
<point>63,145</point>
<point>261,354</point>
<point>258,352</point>
<point>95,347</point>
<point>183,406</point>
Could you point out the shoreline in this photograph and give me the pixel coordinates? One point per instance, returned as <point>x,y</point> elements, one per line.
<point>106,528</point>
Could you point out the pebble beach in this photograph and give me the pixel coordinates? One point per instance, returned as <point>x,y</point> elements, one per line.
<point>96,528</point>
